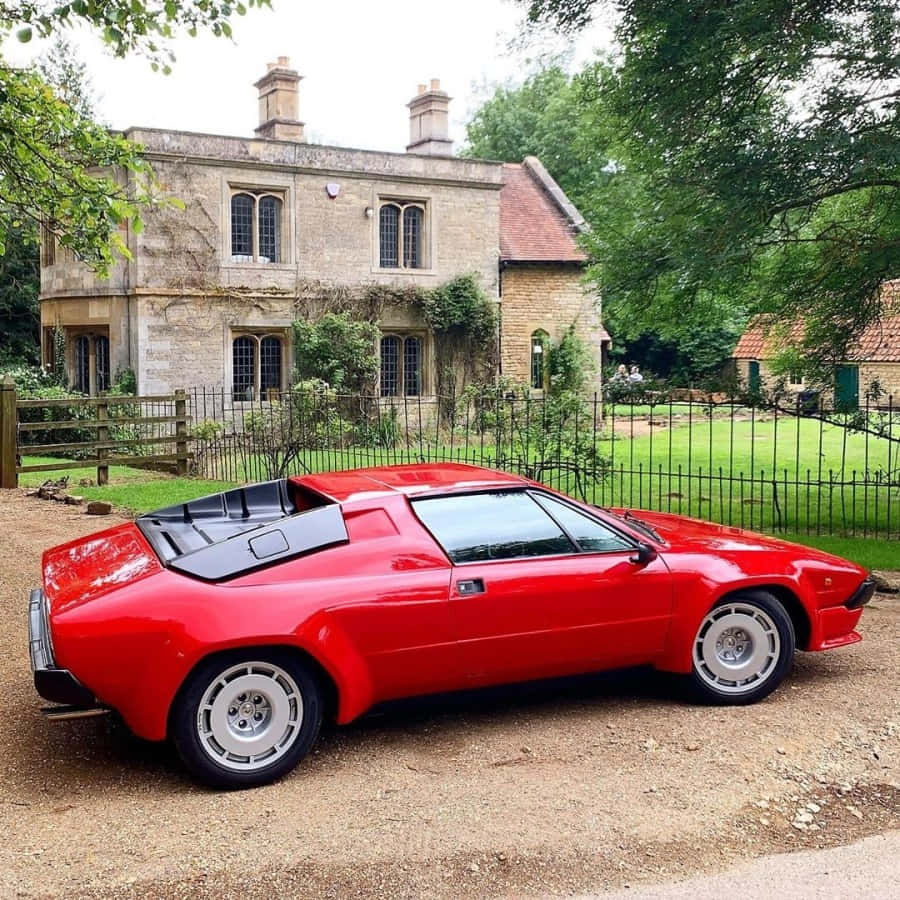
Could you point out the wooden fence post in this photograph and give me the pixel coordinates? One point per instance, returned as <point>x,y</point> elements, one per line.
<point>8,434</point>
<point>181,463</point>
<point>102,452</point>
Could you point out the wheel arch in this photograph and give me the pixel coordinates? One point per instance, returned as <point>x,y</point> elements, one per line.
<point>788,599</point>
<point>330,690</point>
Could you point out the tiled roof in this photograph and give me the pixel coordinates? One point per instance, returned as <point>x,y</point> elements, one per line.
<point>877,343</point>
<point>534,226</point>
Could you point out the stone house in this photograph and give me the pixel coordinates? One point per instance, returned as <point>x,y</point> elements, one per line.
<point>873,359</point>
<point>275,228</point>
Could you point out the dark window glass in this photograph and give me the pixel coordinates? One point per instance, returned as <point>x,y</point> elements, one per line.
<point>538,363</point>
<point>270,229</point>
<point>270,364</point>
<point>389,222</point>
<point>390,365</point>
<point>412,367</point>
<point>243,364</point>
<point>478,527</point>
<point>83,364</point>
<point>101,363</point>
<point>590,535</point>
<point>242,225</point>
<point>412,237</point>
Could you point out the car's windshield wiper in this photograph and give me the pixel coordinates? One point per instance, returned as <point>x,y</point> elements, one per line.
<point>633,520</point>
<point>646,527</point>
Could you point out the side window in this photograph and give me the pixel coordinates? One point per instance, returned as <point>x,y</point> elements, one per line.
<point>590,535</point>
<point>496,525</point>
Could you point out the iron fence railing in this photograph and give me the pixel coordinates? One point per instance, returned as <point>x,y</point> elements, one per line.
<point>786,466</point>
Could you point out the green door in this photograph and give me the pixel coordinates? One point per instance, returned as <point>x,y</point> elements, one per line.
<point>753,379</point>
<point>846,388</point>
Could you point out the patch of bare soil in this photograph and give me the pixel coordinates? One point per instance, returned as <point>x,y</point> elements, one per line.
<point>553,789</point>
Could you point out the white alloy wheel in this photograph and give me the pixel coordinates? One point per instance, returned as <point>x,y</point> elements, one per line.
<point>249,716</point>
<point>737,648</point>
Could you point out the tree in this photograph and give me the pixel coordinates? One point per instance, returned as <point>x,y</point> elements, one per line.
<point>562,120</point>
<point>58,167</point>
<point>20,276</point>
<point>543,117</point>
<point>764,138</point>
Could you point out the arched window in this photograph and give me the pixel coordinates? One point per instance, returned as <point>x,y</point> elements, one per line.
<point>401,366</point>
<point>243,367</point>
<point>269,229</point>
<point>83,364</point>
<point>269,364</point>
<point>256,366</point>
<point>101,363</point>
<point>540,342</point>
<point>401,235</point>
<point>412,366</point>
<point>242,206</point>
<point>256,227</point>
<point>412,237</point>
<point>389,235</point>
<point>390,366</point>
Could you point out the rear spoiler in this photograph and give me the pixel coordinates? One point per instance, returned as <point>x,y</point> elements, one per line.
<point>225,535</point>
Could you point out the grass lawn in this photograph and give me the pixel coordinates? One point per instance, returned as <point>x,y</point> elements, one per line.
<point>868,552</point>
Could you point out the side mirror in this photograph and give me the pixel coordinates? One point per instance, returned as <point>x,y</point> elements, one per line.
<point>645,554</point>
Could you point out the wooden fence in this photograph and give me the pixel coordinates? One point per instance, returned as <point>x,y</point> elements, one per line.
<point>123,431</point>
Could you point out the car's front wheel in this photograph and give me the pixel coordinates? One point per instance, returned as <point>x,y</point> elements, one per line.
<point>247,718</point>
<point>743,649</point>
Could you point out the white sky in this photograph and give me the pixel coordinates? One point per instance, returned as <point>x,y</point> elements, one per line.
<point>361,61</point>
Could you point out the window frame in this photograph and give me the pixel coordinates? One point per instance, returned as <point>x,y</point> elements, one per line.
<point>539,335</point>
<point>74,335</point>
<point>631,542</point>
<point>257,336</point>
<point>424,237</point>
<point>403,335</point>
<point>257,195</point>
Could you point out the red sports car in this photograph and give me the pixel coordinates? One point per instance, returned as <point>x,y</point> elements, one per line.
<point>235,623</point>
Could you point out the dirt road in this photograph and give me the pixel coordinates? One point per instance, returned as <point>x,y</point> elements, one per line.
<point>568,789</point>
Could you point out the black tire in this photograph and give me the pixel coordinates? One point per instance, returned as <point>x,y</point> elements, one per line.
<point>768,629</point>
<point>293,720</point>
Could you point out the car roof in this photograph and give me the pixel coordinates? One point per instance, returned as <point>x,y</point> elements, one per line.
<point>419,479</point>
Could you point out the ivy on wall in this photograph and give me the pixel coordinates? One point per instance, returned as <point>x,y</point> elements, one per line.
<point>461,316</point>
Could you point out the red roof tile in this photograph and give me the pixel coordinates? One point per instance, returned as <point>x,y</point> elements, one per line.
<point>878,343</point>
<point>533,228</point>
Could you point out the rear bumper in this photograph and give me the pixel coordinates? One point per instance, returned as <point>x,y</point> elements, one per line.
<point>53,684</point>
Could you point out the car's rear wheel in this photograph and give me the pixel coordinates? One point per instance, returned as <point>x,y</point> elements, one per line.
<point>245,719</point>
<point>743,649</point>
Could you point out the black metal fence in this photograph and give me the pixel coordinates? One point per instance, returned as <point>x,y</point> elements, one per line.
<point>785,466</point>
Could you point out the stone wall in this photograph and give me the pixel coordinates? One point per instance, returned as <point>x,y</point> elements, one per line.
<point>547,297</point>
<point>172,310</point>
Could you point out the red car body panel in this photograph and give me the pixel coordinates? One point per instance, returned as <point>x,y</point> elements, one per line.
<point>382,613</point>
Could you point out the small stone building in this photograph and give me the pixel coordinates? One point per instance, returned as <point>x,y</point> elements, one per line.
<point>873,359</point>
<point>275,228</point>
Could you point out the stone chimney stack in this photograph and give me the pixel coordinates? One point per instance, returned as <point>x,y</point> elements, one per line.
<point>429,121</point>
<point>278,104</point>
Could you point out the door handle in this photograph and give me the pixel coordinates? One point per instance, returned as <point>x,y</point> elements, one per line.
<point>469,587</point>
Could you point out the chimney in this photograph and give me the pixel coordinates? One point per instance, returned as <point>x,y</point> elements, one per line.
<point>428,121</point>
<point>278,106</point>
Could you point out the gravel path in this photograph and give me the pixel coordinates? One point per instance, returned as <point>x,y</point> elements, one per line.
<point>564,789</point>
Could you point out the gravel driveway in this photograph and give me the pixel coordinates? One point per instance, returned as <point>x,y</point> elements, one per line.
<point>564,789</point>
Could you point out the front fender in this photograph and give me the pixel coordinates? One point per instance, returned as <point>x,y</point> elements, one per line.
<point>693,600</point>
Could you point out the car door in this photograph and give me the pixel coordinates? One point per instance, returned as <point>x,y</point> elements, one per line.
<point>540,588</point>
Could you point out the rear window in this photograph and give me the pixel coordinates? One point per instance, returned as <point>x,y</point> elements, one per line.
<point>494,525</point>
